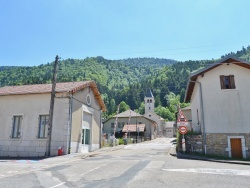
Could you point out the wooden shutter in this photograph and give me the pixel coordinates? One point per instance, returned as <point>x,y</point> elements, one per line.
<point>222,82</point>
<point>232,83</point>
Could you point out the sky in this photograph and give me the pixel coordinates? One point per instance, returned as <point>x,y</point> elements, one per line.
<point>33,32</point>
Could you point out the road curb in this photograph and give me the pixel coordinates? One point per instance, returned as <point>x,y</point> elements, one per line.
<point>173,153</point>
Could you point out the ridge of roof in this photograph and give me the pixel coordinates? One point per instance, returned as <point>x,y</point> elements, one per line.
<point>193,76</point>
<point>70,87</point>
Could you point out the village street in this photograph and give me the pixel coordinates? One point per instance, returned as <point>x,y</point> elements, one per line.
<point>146,164</point>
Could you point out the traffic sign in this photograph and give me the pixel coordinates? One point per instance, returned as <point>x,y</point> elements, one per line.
<point>182,119</point>
<point>182,123</point>
<point>183,129</point>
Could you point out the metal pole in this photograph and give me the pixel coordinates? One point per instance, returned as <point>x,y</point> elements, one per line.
<point>70,122</point>
<point>52,101</point>
<point>136,126</point>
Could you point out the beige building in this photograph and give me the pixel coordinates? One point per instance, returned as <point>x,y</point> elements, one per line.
<point>149,112</point>
<point>169,129</point>
<point>220,107</point>
<point>132,118</point>
<point>24,116</point>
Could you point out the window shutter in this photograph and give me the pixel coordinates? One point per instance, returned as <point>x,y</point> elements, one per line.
<point>222,82</point>
<point>231,77</point>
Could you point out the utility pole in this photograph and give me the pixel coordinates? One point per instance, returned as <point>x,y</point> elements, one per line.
<point>116,120</point>
<point>136,127</point>
<point>52,101</point>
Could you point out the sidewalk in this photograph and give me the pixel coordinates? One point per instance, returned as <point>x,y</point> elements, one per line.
<point>15,166</point>
<point>203,158</point>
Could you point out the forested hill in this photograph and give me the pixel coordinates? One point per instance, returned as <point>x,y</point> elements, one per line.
<point>119,80</point>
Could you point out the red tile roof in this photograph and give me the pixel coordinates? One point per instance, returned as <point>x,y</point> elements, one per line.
<point>70,87</point>
<point>132,128</point>
<point>41,88</point>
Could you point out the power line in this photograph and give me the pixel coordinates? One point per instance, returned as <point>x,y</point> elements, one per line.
<point>177,49</point>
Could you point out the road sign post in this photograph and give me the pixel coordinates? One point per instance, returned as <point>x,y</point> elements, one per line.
<point>183,130</point>
<point>183,144</point>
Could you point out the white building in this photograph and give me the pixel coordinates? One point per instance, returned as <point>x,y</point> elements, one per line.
<point>220,106</point>
<point>24,115</point>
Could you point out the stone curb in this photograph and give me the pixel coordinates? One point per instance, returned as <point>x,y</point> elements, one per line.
<point>173,153</point>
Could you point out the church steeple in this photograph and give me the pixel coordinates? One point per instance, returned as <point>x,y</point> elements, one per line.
<point>149,102</point>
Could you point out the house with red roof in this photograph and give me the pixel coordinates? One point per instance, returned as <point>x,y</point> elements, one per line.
<point>132,123</point>
<point>24,119</point>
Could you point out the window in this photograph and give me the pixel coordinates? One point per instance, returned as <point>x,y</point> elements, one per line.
<point>112,125</point>
<point>43,126</point>
<point>119,125</point>
<point>16,127</point>
<point>140,122</point>
<point>227,82</point>
<point>85,136</point>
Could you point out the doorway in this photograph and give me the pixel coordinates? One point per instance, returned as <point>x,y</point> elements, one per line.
<point>236,147</point>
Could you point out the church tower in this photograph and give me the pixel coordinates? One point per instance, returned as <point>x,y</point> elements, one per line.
<point>149,102</point>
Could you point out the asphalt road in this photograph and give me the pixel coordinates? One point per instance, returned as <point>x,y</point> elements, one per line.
<point>144,165</point>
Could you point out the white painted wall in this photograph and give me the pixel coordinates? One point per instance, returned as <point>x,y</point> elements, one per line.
<point>30,107</point>
<point>227,110</point>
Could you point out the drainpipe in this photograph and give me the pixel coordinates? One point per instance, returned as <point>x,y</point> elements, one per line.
<point>100,129</point>
<point>70,122</point>
<point>202,114</point>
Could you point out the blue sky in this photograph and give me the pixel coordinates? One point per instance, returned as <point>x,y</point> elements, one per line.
<point>33,32</point>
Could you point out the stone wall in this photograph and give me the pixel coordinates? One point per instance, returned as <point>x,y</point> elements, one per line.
<point>193,143</point>
<point>217,144</point>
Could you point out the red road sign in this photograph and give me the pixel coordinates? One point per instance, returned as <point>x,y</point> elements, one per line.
<point>182,118</point>
<point>183,129</point>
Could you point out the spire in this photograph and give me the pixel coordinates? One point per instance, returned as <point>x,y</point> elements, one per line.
<point>149,93</point>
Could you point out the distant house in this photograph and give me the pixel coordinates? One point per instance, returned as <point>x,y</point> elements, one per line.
<point>149,112</point>
<point>169,129</point>
<point>220,107</point>
<point>127,122</point>
<point>24,115</point>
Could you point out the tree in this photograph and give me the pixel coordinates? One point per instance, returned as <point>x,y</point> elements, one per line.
<point>123,107</point>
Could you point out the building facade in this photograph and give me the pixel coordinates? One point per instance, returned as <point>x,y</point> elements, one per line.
<point>24,120</point>
<point>132,118</point>
<point>220,107</point>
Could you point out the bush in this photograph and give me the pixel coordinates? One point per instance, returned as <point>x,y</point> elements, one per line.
<point>121,142</point>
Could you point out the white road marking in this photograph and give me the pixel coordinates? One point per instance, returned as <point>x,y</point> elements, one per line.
<point>213,171</point>
<point>11,172</point>
<point>92,170</point>
<point>2,175</point>
<point>58,185</point>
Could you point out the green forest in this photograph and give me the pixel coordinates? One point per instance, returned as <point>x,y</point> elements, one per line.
<point>122,81</point>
